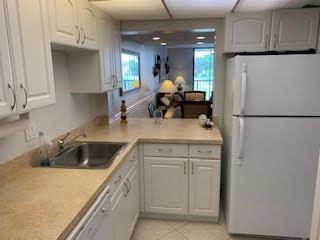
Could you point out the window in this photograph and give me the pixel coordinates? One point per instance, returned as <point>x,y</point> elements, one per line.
<point>130,65</point>
<point>203,70</point>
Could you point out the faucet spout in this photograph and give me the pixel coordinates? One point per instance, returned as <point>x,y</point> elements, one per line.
<point>63,145</point>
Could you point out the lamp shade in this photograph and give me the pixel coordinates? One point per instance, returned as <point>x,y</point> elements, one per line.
<point>167,87</point>
<point>179,80</point>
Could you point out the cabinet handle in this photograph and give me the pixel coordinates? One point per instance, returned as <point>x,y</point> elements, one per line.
<point>84,36</point>
<point>164,150</point>
<point>26,96</point>
<point>184,168</point>
<point>275,41</point>
<point>118,180</point>
<point>266,39</point>
<point>113,79</point>
<point>14,97</point>
<point>129,185</point>
<point>209,151</point>
<point>192,168</point>
<point>133,158</point>
<point>78,40</point>
<point>126,194</point>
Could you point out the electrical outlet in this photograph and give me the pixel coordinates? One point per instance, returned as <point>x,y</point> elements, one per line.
<point>31,132</point>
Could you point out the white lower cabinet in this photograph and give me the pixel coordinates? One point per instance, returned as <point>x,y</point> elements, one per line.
<point>183,185</point>
<point>125,210</point>
<point>120,220</point>
<point>166,185</point>
<point>204,187</point>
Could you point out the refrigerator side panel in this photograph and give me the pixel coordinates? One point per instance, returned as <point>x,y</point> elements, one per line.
<point>227,134</point>
<point>280,85</point>
<point>271,193</point>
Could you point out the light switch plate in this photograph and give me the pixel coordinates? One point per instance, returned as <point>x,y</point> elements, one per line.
<point>31,132</point>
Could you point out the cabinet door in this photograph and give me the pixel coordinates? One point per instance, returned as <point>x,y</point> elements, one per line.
<point>204,191</point>
<point>133,199</point>
<point>166,185</point>
<point>295,29</point>
<point>88,22</point>
<point>63,21</point>
<point>106,50</point>
<point>120,216</point>
<point>7,91</point>
<point>247,31</point>
<point>117,55</point>
<point>32,59</point>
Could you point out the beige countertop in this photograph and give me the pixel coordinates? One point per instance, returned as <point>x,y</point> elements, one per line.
<point>46,203</point>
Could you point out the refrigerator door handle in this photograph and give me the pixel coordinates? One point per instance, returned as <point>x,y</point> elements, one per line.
<point>241,142</point>
<point>243,88</point>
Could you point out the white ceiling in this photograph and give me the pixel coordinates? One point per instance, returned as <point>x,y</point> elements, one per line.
<point>133,9</point>
<point>184,9</point>
<point>181,9</point>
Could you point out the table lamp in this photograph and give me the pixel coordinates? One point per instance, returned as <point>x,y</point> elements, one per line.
<point>167,87</point>
<point>179,81</point>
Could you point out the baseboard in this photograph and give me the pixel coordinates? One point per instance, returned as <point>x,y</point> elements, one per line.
<point>146,99</point>
<point>166,216</point>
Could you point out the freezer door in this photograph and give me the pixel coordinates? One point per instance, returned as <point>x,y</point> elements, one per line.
<point>273,176</point>
<point>286,85</point>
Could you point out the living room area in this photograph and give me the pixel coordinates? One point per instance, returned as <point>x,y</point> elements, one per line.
<point>184,68</point>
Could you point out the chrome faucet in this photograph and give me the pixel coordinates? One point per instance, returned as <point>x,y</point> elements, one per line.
<point>61,142</point>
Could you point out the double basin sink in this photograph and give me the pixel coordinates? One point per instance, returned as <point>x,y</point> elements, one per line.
<point>88,155</point>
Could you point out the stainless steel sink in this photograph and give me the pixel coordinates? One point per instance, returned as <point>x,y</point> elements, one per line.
<point>88,155</point>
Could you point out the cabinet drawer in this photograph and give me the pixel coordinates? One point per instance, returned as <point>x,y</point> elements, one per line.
<point>118,178</point>
<point>165,150</point>
<point>205,151</point>
<point>132,158</point>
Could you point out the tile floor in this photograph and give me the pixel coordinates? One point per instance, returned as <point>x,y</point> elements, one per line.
<point>152,229</point>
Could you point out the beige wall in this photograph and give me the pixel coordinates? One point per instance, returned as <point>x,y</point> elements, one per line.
<point>149,84</point>
<point>181,63</point>
<point>70,111</point>
<point>183,25</point>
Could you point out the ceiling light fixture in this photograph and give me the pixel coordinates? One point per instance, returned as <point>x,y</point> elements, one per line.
<point>155,38</point>
<point>163,43</point>
<point>200,37</point>
<point>200,42</point>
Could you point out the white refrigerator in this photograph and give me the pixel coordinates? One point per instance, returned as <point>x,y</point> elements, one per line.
<point>272,140</point>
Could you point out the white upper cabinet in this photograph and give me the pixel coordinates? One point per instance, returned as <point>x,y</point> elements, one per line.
<point>106,48</point>
<point>103,67</point>
<point>247,31</point>
<point>74,23</point>
<point>204,187</point>
<point>117,55</point>
<point>7,90</point>
<point>64,26</point>
<point>31,53</point>
<point>295,29</point>
<point>88,22</point>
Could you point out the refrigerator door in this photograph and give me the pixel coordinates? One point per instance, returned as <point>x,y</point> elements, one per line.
<point>278,85</point>
<point>273,172</point>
